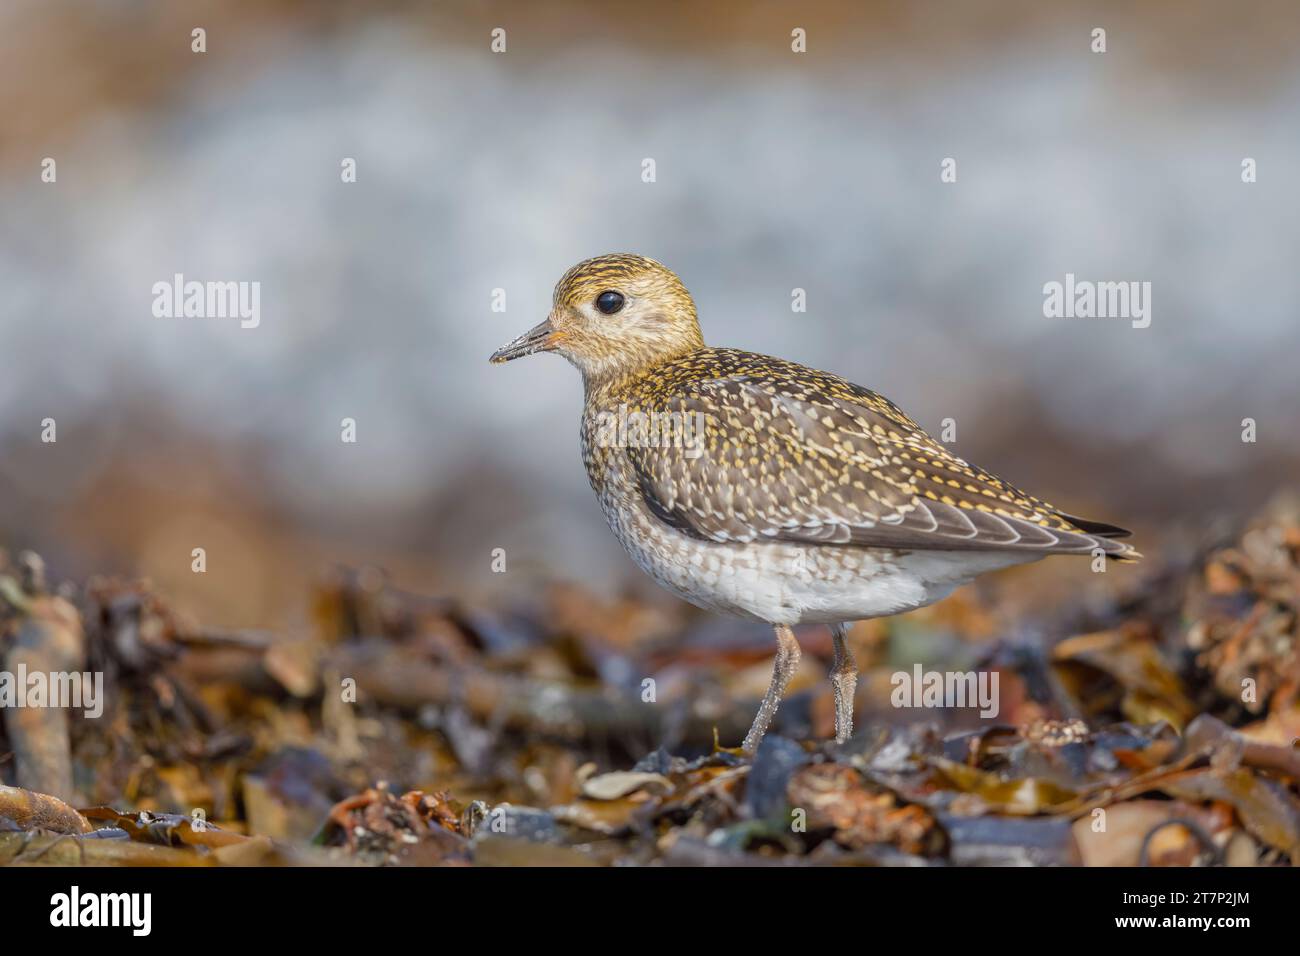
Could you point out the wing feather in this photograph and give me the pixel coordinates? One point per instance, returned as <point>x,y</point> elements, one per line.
<point>812,458</point>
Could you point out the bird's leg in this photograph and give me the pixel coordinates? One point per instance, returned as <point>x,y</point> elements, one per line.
<point>787,662</point>
<point>844,679</point>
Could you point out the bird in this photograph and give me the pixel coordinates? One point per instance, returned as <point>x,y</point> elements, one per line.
<point>757,487</point>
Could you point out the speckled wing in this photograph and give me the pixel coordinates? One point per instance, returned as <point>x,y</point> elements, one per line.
<point>818,460</point>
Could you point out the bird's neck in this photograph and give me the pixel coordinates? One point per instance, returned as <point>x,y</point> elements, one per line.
<point>604,379</point>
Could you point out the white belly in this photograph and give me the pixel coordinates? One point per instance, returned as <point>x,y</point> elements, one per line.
<point>796,584</point>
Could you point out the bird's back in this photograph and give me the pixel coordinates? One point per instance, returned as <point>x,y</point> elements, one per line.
<point>732,446</point>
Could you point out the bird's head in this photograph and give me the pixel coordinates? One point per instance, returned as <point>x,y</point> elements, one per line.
<point>613,316</point>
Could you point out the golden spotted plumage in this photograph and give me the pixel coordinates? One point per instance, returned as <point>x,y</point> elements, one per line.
<point>793,453</point>
<point>752,485</point>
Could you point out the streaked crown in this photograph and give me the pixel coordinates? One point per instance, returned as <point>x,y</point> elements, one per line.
<point>616,271</point>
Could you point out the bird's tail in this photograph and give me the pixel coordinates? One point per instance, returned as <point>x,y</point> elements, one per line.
<point>1104,536</point>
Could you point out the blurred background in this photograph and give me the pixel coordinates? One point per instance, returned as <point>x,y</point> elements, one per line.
<point>478,171</point>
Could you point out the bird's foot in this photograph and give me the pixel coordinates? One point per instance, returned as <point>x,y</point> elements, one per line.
<point>844,686</point>
<point>787,662</point>
<point>844,682</point>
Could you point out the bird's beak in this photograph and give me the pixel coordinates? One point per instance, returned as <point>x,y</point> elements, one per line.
<point>542,337</point>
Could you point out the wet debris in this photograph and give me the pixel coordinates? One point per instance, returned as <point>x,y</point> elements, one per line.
<point>380,827</point>
<point>1159,730</point>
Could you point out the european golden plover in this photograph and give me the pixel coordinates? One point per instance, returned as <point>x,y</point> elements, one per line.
<point>758,487</point>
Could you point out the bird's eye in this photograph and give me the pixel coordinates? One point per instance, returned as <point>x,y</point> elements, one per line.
<point>609,302</point>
